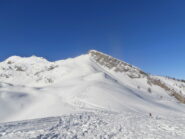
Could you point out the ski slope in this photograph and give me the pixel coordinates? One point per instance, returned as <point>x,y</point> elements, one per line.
<point>110,92</point>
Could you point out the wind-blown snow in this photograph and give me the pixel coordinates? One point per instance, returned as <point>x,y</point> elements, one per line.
<point>35,88</point>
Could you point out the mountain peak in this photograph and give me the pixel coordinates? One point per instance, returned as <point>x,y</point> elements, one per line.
<point>19,59</point>
<point>115,64</point>
<point>94,80</point>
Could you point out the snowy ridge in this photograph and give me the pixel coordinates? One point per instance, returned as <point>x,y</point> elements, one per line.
<point>31,59</point>
<point>118,66</point>
<point>88,84</point>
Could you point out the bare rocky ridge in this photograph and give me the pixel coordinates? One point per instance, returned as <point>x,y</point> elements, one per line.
<point>116,65</point>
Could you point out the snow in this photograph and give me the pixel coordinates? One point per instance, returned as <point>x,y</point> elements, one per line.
<point>97,124</point>
<point>85,91</point>
<point>176,85</point>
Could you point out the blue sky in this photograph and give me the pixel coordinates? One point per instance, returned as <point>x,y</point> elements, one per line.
<point>149,34</point>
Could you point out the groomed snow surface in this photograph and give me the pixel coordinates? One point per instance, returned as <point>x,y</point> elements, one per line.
<point>91,101</point>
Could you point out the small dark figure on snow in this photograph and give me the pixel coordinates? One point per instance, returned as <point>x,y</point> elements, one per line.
<point>150,114</point>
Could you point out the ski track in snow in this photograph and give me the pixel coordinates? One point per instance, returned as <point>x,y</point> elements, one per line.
<point>98,124</point>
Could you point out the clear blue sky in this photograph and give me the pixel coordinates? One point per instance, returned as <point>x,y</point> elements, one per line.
<point>147,33</point>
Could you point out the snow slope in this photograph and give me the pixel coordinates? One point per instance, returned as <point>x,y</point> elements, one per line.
<point>32,87</point>
<point>97,124</point>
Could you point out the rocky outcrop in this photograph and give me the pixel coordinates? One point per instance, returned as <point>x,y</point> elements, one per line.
<point>116,65</point>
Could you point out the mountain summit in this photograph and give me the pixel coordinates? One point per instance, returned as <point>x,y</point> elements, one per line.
<point>93,80</point>
<point>38,72</point>
<point>33,87</point>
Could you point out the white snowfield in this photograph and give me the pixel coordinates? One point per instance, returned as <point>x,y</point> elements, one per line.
<point>95,95</point>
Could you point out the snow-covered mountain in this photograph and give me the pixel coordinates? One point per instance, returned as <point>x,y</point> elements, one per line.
<point>32,87</point>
